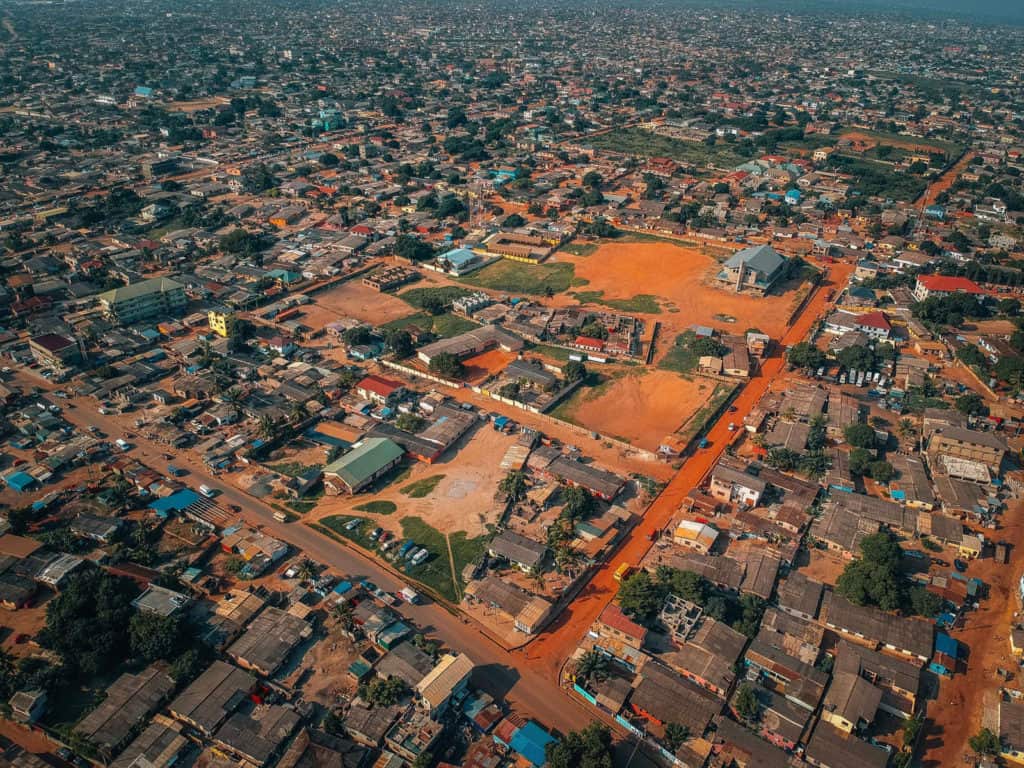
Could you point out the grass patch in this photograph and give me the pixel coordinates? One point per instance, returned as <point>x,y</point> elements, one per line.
<point>516,277</point>
<point>445,294</point>
<point>699,420</point>
<point>554,353</point>
<point>680,358</point>
<point>420,320</point>
<point>377,507</point>
<point>422,488</point>
<point>644,303</point>
<point>637,141</point>
<point>301,507</point>
<point>436,571</point>
<point>878,179</point>
<point>336,525</point>
<point>448,325</point>
<point>579,249</point>
<point>293,468</point>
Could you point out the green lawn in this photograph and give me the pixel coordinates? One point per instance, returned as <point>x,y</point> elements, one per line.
<point>301,507</point>
<point>515,277</point>
<point>680,358</point>
<point>422,488</point>
<point>637,141</point>
<point>377,507</point>
<point>336,524</point>
<point>579,249</point>
<point>436,571</point>
<point>644,303</point>
<point>448,325</point>
<point>447,294</point>
<point>871,178</point>
<point>555,353</point>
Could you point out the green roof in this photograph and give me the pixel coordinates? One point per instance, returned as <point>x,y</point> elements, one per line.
<point>365,460</point>
<point>142,288</point>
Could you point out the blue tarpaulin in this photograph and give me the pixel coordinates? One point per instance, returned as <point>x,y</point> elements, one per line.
<point>530,740</point>
<point>20,481</point>
<point>947,646</point>
<point>176,502</point>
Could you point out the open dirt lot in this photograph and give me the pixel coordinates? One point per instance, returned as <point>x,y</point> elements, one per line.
<point>462,501</point>
<point>353,299</point>
<point>640,407</point>
<point>487,364</point>
<point>681,278</point>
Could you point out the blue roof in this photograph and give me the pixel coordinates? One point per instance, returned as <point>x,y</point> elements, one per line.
<point>19,481</point>
<point>176,502</point>
<point>459,257</point>
<point>947,645</point>
<point>794,194</point>
<point>530,740</point>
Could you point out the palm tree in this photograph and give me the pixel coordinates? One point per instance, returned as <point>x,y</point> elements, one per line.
<point>537,574</point>
<point>567,559</point>
<point>592,665</point>
<point>233,397</point>
<point>907,428</point>
<point>297,412</point>
<point>513,485</point>
<point>306,570</point>
<point>268,426</point>
<point>344,616</point>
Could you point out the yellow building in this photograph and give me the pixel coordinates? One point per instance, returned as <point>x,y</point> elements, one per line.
<point>222,323</point>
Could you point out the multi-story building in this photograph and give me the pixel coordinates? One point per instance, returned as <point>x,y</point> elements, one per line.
<point>156,297</point>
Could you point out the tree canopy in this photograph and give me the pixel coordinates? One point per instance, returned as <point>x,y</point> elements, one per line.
<point>589,748</point>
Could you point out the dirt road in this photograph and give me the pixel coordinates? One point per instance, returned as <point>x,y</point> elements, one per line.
<point>944,182</point>
<point>551,649</point>
<point>498,672</point>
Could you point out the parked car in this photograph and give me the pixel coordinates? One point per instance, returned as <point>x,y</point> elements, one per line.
<point>375,534</point>
<point>352,524</point>
<point>960,565</point>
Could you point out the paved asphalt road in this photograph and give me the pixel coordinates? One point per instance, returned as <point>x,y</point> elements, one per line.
<point>526,679</point>
<point>528,691</point>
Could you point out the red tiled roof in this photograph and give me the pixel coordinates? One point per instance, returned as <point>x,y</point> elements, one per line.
<point>945,284</point>
<point>378,385</point>
<point>53,342</point>
<point>613,617</point>
<point>874,320</point>
<point>587,341</point>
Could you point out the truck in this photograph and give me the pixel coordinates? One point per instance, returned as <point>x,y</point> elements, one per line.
<point>207,491</point>
<point>420,556</point>
<point>409,544</point>
<point>174,471</point>
<point>122,444</point>
<point>281,517</point>
<point>410,595</point>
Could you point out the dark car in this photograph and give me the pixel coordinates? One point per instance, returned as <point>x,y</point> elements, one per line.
<point>960,565</point>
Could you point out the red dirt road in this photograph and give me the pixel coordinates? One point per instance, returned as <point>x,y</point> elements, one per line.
<point>549,651</point>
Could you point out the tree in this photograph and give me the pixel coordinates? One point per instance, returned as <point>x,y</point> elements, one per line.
<point>783,459</point>
<point>187,666</point>
<point>410,422</point>
<point>448,365</point>
<point>752,609</point>
<point>745,703</point>
<point>592,179</point>
<point>241,241</point>
<point>971,404</point>
<point>87,622</point>
<point>579,504</point>
<point>984,742</point>
<point>513,221</point>
<point>592,665</point>
<point>686,584</point>
<point>413,249</point>
<point>881,471</point>
<point>856,357</point>
<point>268,426</point>
<point>676,735</point>
<point>874,578</point>
<point>574,370</point>
<point>816,434</point>
<point>153,637</point>
<point>513,486</point>
<point>357,336</point>
<point>860,461</point>
<point>805,356</point>
<point>640,597</point>
<point>859,435</point>
<point>588,748</point>
<point>385,693</point>
<point>923,603</point>
<point>399,342</point>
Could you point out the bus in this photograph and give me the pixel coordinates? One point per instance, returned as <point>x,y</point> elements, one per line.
<point>624,571</point>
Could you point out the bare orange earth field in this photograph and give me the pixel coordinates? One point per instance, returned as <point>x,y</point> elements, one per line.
<point>643,408</point>
<point>682,279</point>
<point>479,367</point>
